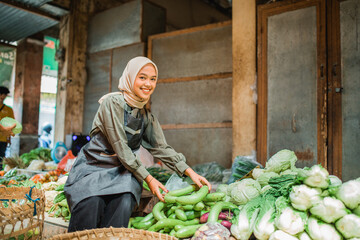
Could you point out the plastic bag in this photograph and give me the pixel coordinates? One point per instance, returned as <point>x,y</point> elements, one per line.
<point>212,171</point>
<point>176,182</point>
<point>241,166</point>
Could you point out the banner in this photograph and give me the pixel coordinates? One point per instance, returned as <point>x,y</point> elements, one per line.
<point>50,65</point>
<point>7,62</point>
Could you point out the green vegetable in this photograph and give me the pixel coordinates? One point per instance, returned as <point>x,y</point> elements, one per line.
<point>187,231</point>
<point>57,212</point>
<point>157,211</point>
<point>144,225</point>
<point>195,197</point>
<point>317,176</point>
<point>264,178</point>
<point>182,191</point>
<point>199,206</point>
<point>317,229</point>
<point>243,191</point>
<point>244,220</point>
<point>217,208</point>
<point>349,194</point>
<point>303,197</point>
<point>60,187</point>
<point>214,197</point>
<point>148,217</point>
<point>192,214</point>
<point>63,203</point>
<point>170,223</point>
<point>65,211</point>
<point>288,219</point>
<point>281,161</point>
<point>349,226</point>
<point>329,210</point>
<point>180,214</point>
<point>61,196</point>
<point>265,225</point>
<point>8,121</point>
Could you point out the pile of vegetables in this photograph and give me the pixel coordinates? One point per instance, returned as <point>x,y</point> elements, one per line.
<point>278,202</point>
<point>185,211</point>
<point>289,203</point>
<point>56,204</point>
<point>37,154</point>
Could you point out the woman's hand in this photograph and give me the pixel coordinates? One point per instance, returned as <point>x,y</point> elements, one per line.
<point>7,131</point>
<point>197,179</point>
<point>154,186</point>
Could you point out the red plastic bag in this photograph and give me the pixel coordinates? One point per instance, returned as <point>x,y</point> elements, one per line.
<point>67,161</point>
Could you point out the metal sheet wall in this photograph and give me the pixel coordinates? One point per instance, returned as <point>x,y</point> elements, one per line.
<point>194,92</point>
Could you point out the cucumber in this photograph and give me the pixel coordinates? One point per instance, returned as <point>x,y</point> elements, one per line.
<point>193,198</point>
<point>187,231</point>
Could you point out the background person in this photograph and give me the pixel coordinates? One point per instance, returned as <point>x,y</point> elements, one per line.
<point>5,111</point>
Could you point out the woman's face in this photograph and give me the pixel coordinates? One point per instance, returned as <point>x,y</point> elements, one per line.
<point>145,81</point>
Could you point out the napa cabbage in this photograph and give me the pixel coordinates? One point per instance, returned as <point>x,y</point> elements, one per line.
<point>349,226</point>
<point>318,230</point>
<point>317,177</point>
<point>329,209</point>
<point>303,197</point>
<point>349,194</point>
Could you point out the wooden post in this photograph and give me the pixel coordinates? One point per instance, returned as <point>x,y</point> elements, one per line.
<point>29,60</point>
<point>244,77</point>
<point>72,70</point>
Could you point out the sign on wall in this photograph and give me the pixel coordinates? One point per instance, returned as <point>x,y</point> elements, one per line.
<point>7,62</point>
<point>50,65</point>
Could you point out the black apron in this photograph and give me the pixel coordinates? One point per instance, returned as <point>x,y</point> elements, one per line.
<point>98,171</point>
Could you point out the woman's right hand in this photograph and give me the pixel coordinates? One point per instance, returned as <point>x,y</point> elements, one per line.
<point>155,187</point>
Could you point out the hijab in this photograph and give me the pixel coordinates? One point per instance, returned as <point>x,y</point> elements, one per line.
<point>127,79</point>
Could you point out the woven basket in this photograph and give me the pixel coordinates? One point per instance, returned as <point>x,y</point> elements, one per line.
<point>17,218</point>
<point>113,234</point>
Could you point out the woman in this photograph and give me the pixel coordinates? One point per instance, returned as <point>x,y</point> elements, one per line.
<point>106,180</point>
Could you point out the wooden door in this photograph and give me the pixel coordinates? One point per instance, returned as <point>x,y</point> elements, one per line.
<point>292,81</point>
<point>343,90</point>
<point>308,83</point>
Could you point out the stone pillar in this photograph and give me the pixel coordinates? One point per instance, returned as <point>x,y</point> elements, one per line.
<point>29,61</point>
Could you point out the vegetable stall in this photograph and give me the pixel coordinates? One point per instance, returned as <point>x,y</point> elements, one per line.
<point>279,201</point>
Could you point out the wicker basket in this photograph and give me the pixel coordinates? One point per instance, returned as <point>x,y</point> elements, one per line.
<point>113,234</point>
<point>21,218</point>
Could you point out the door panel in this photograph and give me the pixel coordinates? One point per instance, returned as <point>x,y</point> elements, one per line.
<point>291,111</point>
<point>292,90</point>
<point>350,79</point>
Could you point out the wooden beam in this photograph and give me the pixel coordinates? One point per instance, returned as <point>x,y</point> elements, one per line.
<point>195,78</point>
<point>29,9</point>
<point>196,125</point>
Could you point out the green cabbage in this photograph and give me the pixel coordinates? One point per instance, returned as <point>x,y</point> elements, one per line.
<point>281,161</point>
<point>243,191</point>
<point>7,122</point>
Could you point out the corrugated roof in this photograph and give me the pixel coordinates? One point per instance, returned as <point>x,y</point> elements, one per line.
<point>22,18</point>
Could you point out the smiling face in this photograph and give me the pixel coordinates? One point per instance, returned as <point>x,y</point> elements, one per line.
<point>145,81</point>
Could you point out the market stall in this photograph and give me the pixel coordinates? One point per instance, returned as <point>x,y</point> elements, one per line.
<point>278,201</point>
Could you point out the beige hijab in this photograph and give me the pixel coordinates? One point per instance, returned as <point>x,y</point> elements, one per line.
<point>127,79</point>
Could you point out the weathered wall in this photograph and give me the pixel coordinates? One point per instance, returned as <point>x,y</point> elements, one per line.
<point>193,96</point>
<point>244,77</point>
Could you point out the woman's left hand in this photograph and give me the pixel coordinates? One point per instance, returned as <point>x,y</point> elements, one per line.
<point>197,179</point>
